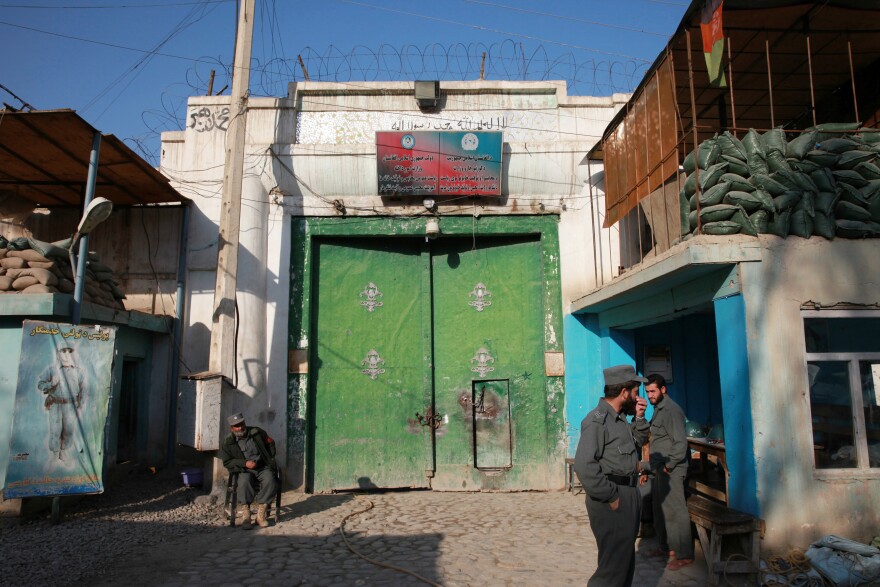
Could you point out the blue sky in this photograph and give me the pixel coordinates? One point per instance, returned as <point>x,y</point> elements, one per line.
<point>127,66</point>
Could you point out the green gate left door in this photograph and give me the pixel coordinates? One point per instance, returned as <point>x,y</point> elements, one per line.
<point>371,364</point>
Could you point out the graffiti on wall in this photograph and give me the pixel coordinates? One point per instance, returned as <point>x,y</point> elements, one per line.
<point>205,118</point>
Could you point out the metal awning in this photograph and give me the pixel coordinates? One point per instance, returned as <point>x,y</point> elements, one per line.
<point>44,159</point>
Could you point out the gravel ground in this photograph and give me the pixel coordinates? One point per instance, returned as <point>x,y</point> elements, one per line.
<point>142,511</point>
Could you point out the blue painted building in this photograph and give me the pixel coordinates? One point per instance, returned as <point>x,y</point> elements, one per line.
<point>769,339</point>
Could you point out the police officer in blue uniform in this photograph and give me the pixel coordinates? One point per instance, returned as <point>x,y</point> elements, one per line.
<point>607,463</point>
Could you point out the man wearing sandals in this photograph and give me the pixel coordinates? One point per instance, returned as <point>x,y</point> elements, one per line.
<point>250,452</point>
<point>669,452</point>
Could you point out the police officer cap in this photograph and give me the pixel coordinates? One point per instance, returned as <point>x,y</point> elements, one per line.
<point>621,374</point>
<point>235,419</point>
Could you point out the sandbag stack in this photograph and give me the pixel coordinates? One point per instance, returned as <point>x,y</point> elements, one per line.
<point>824,182</point>
<point>28,266</point>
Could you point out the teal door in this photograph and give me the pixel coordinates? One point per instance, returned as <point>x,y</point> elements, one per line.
<point>369,370</point>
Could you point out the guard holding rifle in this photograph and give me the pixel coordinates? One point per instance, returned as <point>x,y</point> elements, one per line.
<point>607,462</point>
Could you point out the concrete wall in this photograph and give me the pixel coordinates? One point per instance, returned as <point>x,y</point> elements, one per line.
<point>314,151</point>
<point>798,503</point>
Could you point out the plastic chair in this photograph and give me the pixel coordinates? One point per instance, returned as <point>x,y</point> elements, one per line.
<point>231,503</point>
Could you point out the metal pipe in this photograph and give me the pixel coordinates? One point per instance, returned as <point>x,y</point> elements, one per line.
<point>593,228</point>
<point>812,94</point>
<point>665,208</point>
<point>79,284</point>
<point>179,310</point>
<point>730,83</point>
<point>769,82</point>
<point>852,77</point>
<point>694,125</point>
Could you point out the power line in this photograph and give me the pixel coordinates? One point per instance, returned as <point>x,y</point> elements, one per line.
<point>492,30</point>
<point>112,6</point>
<point>563,17</point>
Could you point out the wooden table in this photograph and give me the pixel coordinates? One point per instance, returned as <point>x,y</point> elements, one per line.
<point>707,449</point>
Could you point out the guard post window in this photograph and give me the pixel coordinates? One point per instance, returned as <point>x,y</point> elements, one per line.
<point>843,372</point>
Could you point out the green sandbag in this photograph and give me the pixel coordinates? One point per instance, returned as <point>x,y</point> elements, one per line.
<point>869,135</point>
<point>707,155</point>
<point>824,180</point>
<point>851,177</point>
<point>21,243</point>
<point>717,213</point>
<point>854,229</point>
<point>801,224</point>
<point>801,145</point>
<point>757,164</point>
<point>684,209</point>
<point>3,242</point>
<point>828,130</point>
<point>752,143</point>
<point>822,158</point>
<point>850,159</point>
<point>807,203</point>
<point>871,190</point>
<point>737,182</point>
<point>823,225</point>
<point>803,166</point>
<point>745,224</point>
<point>868,170</point>
<point>692,221</point>
<point>749,201</point>
<point>49,250</point>
<point>787,200</point>
<point>722,228</point>
<point>776,161</point>
<point>825,202</point>
<point>710,176</point>
<point>801,181</point>
<point>837,145</point>
<point>690,185</point>
<point>849,211</point>
<point>874,209</point>
<point>735,165</point>
<point>712,196</point>
<point>766,182</point>
<point>780,223</point>
<point>773,140</point>
<point>852,195</point>
<point>761,221</point>
<point>731,146</point>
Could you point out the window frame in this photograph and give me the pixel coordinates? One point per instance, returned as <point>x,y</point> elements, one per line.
<point>860,432</point>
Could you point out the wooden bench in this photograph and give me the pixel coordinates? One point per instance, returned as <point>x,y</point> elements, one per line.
<point>715,523</point>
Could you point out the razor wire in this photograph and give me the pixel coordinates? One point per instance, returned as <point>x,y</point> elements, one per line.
<point>506,60</point>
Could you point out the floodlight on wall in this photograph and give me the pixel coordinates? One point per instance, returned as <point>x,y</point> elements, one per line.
<point>427,93</point>
<point>96,212</point>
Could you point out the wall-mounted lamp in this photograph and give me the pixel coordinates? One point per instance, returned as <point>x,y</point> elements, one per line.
<point>432,228</point>
<point>427,93</point>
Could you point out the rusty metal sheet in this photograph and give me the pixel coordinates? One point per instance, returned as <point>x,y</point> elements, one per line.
<point>44,158</point>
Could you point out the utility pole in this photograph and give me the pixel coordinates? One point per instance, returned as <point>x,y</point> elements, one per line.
<point>222,354</point>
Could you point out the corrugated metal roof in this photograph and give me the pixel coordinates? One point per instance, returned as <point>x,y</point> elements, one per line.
<point>44,158</point>
<point>780,25</point>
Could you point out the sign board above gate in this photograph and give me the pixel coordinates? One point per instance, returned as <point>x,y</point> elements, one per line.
<point>438,163</point>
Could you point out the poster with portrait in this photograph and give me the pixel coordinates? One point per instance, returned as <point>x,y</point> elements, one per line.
<point>61,405</point>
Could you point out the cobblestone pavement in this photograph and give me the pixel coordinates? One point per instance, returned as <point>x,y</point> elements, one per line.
<point>451,539</point>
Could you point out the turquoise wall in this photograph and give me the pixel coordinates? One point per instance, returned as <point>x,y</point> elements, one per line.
<point>730,323</point>
<point>10,342</point>
<point>588,350</point>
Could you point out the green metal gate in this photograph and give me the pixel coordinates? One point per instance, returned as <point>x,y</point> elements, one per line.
<point>428,362</point>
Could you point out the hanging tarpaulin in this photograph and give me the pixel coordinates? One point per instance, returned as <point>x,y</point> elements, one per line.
<point>713,42</point>
<point>61,404</point>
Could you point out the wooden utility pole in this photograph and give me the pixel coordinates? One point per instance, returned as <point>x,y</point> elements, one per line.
<point>222,355</point>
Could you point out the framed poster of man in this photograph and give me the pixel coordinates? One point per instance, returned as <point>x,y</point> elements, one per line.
<point>61,406</point>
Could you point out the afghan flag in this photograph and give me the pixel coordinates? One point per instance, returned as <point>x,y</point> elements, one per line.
<point>713,42</point>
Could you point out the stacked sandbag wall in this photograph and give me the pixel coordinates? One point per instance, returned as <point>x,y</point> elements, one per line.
<point>824,182</point>
<point>29,266</point>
